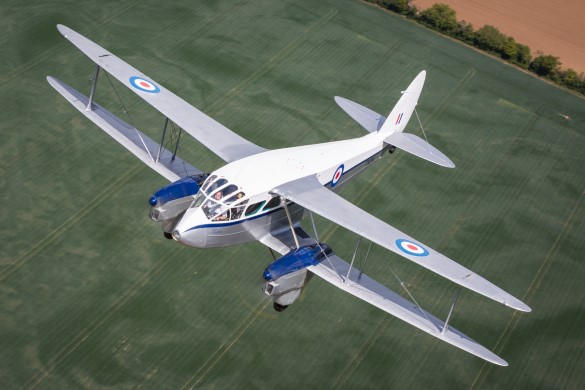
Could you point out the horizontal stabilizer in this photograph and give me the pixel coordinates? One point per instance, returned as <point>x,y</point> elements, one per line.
<point>370,120</point>
<point>419,147</point>
<point>128,136</point>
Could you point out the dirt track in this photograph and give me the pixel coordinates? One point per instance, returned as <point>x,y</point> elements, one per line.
<point>548,26</point>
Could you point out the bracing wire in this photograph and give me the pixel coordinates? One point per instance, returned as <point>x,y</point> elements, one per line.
<point>409,294</point>
<point>127,113</point>
<point>421,126</point>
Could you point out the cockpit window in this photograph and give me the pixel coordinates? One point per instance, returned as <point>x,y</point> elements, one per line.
<point>235,197</point>
<point>217,184</point>
<point>208,182</point>
<point>215,198</point>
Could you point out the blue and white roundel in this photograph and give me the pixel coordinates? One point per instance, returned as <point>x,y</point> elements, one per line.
<point>144,84</point>
<point>411,248</point>
<point>337,175</point>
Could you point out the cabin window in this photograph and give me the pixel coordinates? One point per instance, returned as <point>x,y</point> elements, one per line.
<point>238,209</point>
<point>272,203</point>
<point>235,198</point>
<point>253,209</point>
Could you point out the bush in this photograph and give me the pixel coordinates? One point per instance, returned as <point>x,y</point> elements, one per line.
<point>545,65</point>
<point>440,16</point>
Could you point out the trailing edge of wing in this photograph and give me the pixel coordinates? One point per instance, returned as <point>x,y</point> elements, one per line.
<point>335,270</point>
<point>219,139</point>
<point>310,194</point>
<point>136,142</point>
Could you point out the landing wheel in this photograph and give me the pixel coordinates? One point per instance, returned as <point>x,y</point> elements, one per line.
<point>279,307</point>
<point>168,236</point>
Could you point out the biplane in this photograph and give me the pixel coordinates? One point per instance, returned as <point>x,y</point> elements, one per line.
<point>263,195</point>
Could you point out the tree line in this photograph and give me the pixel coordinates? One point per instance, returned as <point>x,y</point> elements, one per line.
<point>488,38</point>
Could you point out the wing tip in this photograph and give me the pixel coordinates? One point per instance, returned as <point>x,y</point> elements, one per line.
<point>521,306</point>
<point>64,30</point>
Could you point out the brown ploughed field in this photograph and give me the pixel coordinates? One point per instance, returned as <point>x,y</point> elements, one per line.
<point>549,26</point>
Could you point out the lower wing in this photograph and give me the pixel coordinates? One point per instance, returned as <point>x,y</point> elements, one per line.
<point>337,272</point>
<point>148,151</point>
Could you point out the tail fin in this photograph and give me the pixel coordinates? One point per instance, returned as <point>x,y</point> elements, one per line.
<point>402,111</point>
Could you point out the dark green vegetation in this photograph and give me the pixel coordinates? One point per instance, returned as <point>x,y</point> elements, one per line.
<point>443,18</point>
<point>93,296</point>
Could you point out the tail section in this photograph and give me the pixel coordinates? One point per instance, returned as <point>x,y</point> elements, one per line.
<point>402,111</point>
<point>392,128</point>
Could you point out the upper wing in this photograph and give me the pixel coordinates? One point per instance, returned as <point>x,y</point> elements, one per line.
<point>310,194</point>
<point>337,272</point>
<point>218,138</point>
<point>132,139</point>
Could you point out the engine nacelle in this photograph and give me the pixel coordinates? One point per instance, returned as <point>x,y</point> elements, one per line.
<point>172,200</point>
<point>288,275</point>
<point>297,259</point>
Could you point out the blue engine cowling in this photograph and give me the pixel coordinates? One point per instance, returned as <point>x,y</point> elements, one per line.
<point>297,259</point>
<point>186,186</point>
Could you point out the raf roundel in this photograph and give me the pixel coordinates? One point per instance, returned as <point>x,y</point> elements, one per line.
<point>144,85</point>
<point>337,175</point>
<point>411,248</point>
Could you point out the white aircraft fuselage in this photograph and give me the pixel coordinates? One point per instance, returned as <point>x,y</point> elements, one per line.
<point>334,163</point>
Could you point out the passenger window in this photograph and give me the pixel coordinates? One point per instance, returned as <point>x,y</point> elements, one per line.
<point>272,203</point>
<point>238,210</point>
<point>253,209</point>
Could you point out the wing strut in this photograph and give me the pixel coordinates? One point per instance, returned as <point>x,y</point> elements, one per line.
<point>92,92</point>
<point>363,267</point>
<point>292,228</point>
<point>174,139</point>
<point>162,140</point>
<point>446,326</point>
<point>353,258</point>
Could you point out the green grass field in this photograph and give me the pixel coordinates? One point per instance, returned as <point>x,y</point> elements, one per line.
<point>93,296</point>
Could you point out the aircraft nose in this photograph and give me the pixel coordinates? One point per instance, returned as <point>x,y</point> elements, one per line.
<point>191,237</point>
<point>188,231</point>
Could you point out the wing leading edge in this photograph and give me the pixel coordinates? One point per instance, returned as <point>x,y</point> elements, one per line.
<point>335,271</point>
<point>310,194</point>
<point>219,139</point>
